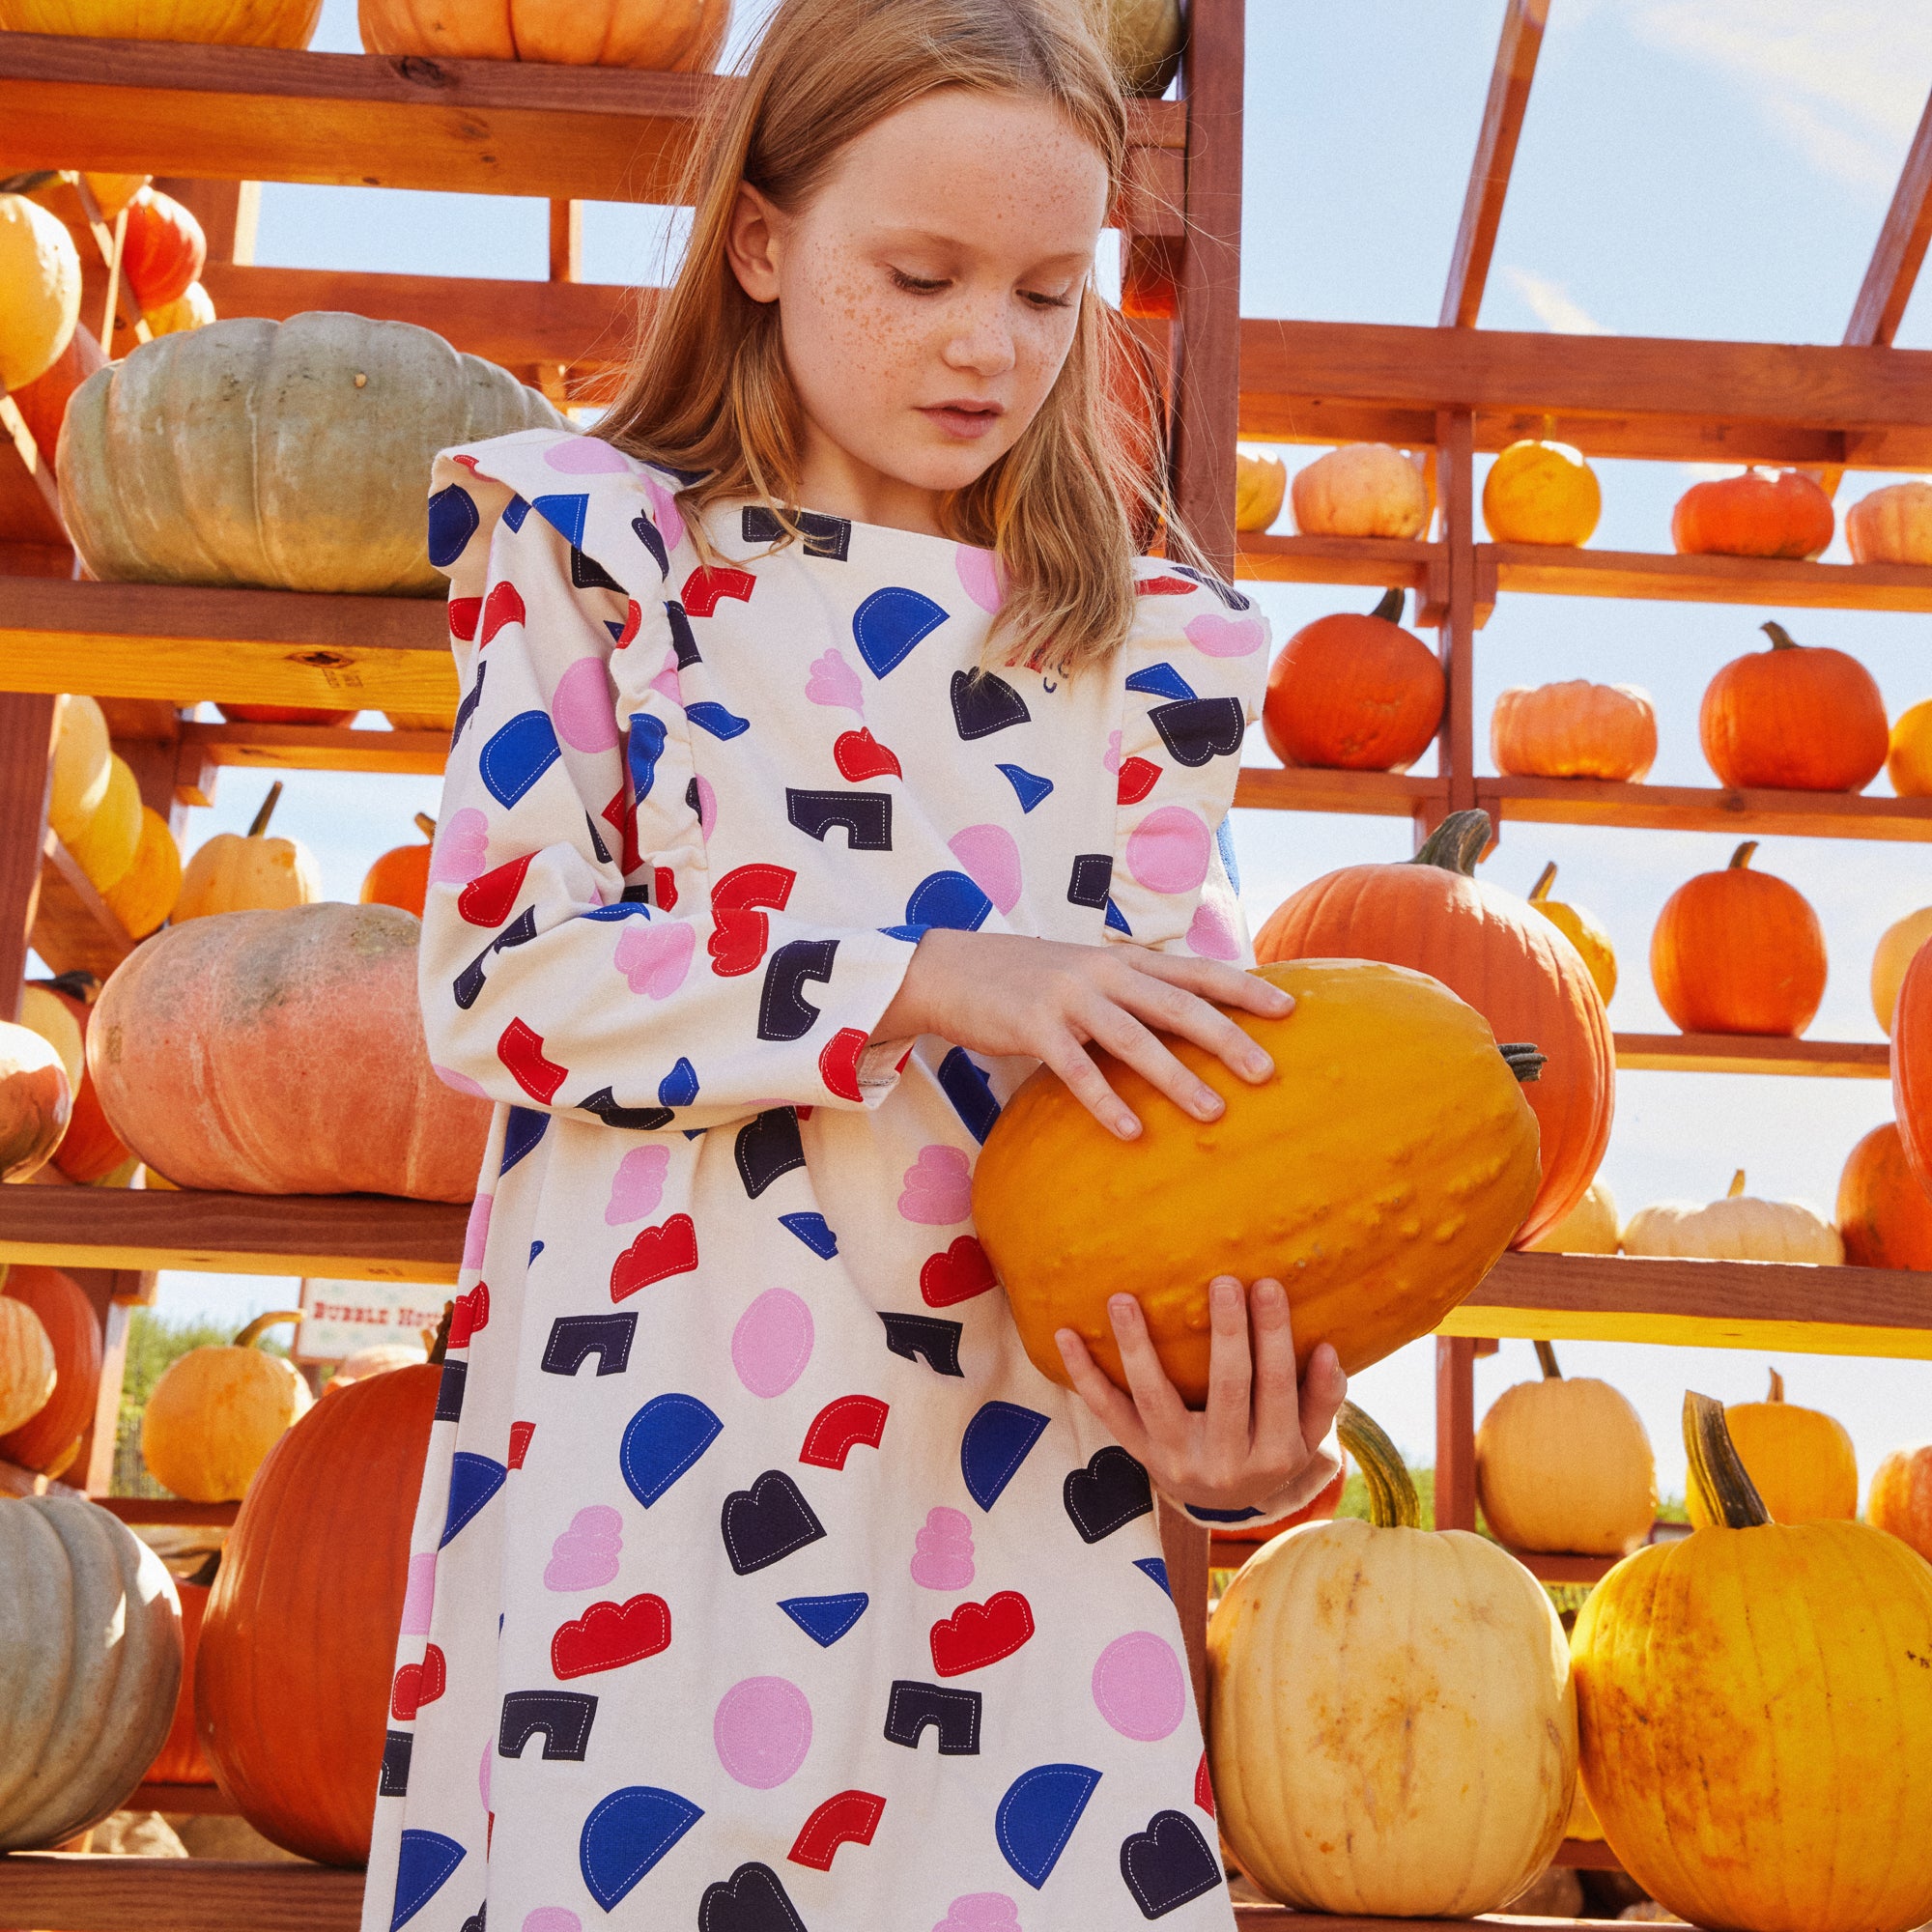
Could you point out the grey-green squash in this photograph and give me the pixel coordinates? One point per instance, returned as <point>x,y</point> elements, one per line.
<point>90,1666</point>
<point>292,456</point>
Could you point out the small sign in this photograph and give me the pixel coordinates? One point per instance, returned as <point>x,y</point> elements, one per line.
<point>340,1317</point>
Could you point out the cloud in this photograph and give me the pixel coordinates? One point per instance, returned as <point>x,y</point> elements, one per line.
<point>1552,303</point>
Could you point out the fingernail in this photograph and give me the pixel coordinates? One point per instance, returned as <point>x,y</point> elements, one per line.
<point>1268,1295</point>
<point>1227,1294</point>
<point>1126,1125</point>
<point>1258,1066</point>
<point>1122,1307</point>
<point>1209,1105</point>
<point>1279,1000</point>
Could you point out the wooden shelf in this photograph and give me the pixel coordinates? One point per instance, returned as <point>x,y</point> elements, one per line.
<point>183,644</point>
<point>73,929</point>
<point>1753,1053</point>
<point>104,1892</point>
<point>340,1237</point>
<point>1549,1566</point>
<point>1768,1307</point>
<point>1776,582</point>
<point>1790,814</point>
<point>310,748</point>
<point>1373,562</point>
<point>1279,1915</point>
<point>1302,789</point>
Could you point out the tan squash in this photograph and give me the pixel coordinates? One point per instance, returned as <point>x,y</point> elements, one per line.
<point>82,757</point>
<point>90,1664</point>
<point>251,872</point>
<point>28,1372</point>
<point>1897,949</point>
<point>1900,1502</point>
<point>107,843</point>
<point>290,455</point>
<point>40,290</point>
<point>1801,1461</point>
<point>1361,489</point>
<point>1738,1228</point>
<point>1590,1227</point>
<point>1581,928</point>
<point>1565,1464</point>
<point>217,1411</point>
<point>1892,525</point>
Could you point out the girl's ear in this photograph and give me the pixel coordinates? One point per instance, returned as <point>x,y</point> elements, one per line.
<point>752,243</point>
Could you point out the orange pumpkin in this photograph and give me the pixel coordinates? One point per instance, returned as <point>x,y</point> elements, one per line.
<point>1354,693</point>
<point>1885,1218</point>
<point>1574,729</point>
<point>1489,946</point>
<point>46,1443</point>
<point>283,714</point>
<point>182,1760</point>
<point>164,250</point>
<point>292,1678</point>
<point>669,36</point>
<point>1794,718</point>
<point>1900,1501</point>
<point>1911,1065</point>
<point>42,402</point>
<point>35,1101</point>
<point>1753,515</point>
<point>1739,952</point>
<point>90,1150</point>
<point>400,877</point>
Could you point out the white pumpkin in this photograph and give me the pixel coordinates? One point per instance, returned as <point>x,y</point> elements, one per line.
<point>1361,489</point>
<point>1738,1228</point>
<point>28,1369</point>
<point>90,1666</point>
<point>1590,1227</point>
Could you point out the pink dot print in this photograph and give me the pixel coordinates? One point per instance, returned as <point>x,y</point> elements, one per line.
<point>553,1918</point>
<point>584,456</point>
<point>1112,761</point>
<point>637,1185</point>
<point>1169,849</point>
<point>654,955</point>
<point>762,1730</point>
<point>581,708</point>
<point>979,576</point>
<point>707,806</point>
<point>942,1555</point>
<point>462,848</point>
<point>992,861</point>
<point>1209,934</point>
<point>584,1557</point>
<point>1217,637</point>
<point>938,1187</point>
<point>772,1342</point>
<point>980,1912</point>
<point>462,1082</point>
<point>476,1231</point>
<point>665,513</point>
<point>1140,1687</point>
<point>483,1771</point>
<point>420,1596</point>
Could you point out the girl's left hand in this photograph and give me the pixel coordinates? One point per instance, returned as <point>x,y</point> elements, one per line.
<point>1259,1432</point>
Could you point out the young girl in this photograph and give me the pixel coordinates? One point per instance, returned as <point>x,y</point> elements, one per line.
<point>826,760</point>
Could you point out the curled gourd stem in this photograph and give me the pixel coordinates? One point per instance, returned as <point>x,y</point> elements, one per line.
<point>1781,640</point>
<point>1777,1387</point>
<point>1737,1185</point>
<point>1389,609</point>
<point>260,823</point>
<point>426,825</point>
<point>1524,1059</point>
<point>262,1324</point>
<point>1457,843</point>
<point>1741,858</point>
<point>1718,1477</point>
<point>439,1346</point>
<point>1545,1357</point>
<point>1545,879</point>
<point>1393,1503</point>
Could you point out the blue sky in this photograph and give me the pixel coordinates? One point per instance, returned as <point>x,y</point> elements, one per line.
<point>1687,167</point>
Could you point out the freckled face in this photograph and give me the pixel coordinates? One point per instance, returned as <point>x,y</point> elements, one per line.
<point>929,291</point>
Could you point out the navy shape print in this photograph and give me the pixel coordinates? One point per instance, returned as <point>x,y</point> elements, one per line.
<point>1107,1494</point>
<point>453,519</point>
<point>890,623</point>
<point>394,1781</point>
<point>768,1145</point>
<point>587,574</point>
<point>1091,879</point>
<point>1234,599</point>
<point>983,702</point>
<point>752,1899</point>
<point>927,1337</point>
<point>424,1862</point>
<point>466,988</point>
<point>522,1131</point>
<point>1154,1567</point>
<point>963,1081</point>
<point>997,1440</point>
<point>575,1338</point>
<point>866,816</point>
<point>562,1718</point>
<point>783,1010</point>
<point>1197,730</point>
<point>471,698</point>
<point>1168,1864</point>
<point>449,1392</point>
<point>911,1707</point>
<point>626,1834</point>
<point>662,1441</point>
<point>651,537</point>
<point>683,641</point>
<point>640,1119</point>
<point>767,1522</point>
<point>823,535</point>
<point>814,1231</point>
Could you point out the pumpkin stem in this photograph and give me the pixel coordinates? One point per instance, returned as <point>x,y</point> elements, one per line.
<point>262,1324</point>
<point>1545,879</point>
<point>1389,609</point>
<point>1523,1060</point>
<point>440,1348</point>
<point>204,1576</point>
<point>1718,1474</point>
<point>1549,426</point>
<point>1457,843</point>
<point>260,823</point>
<point>1737,1185</point>
<point>77,985</point>
<point>1777,1387</point>
<point>1545,1357</point>
<point>1781,640</point>
<point>426,825</point>
<point>1393,1503</point>
<point>1741,858</point>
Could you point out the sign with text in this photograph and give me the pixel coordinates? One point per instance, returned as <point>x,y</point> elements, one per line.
<point>340,1317</point>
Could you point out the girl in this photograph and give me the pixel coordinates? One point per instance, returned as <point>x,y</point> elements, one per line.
<point>825,761</point>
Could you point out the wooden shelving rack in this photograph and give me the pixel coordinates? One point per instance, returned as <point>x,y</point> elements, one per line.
<point>214,121</point>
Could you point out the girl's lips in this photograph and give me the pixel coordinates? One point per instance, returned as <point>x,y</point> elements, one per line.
<point>967,424</point>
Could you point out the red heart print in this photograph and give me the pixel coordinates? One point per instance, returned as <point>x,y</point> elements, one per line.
<point>859,755</point>
<point>977,1635</point>
<point>634,618</point>
<point>609,1634</point>
<point>622,815</point>
<point>1164,586</point>
<point>503,606</point>
<point>737,942</point>
<point>521,1049</point>
<point>956,1274</point>
<point>469,1313</point>
<point>1204,1789</point>
<point>1138,778</point>
<point>417,1685</point>
<point>488,901</point>
<point>520,1442</point>
<point>839,1063</point>
<point>664,888</point>
<point>849,1818</point>
<point>656,1255</point>
<point>754,885</point>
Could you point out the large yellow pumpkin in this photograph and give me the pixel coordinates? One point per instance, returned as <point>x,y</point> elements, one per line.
<point>40,290</point>
<point>81,765</point>
<point>1738,1228</point>
<point>248,873</point>
<point>1896,948</point>
<point>1361,489</point>
<point>1391,1725</point>
<point>1801,1461</point>
<point>1378,1175</point>
<point>290,455</point>
<point>669,36</point>
<point>234,23</point>
<point>108,841</point>
<point>1563,1464</point>
<point>1590,1227</point>
<point>217,1411</point>
<point>1259,484</point>
<point>1541,492</point>
<point>147,893</point>
<point>27,1367</point>
<point>89,1662</point>
<point>1756,1734</point>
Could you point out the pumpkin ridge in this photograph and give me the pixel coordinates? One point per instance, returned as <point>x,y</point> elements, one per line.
<point>46,1571</point>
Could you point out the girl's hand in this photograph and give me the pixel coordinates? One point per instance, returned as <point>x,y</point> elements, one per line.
<point>1259,1433</point>
<point>998,993</point>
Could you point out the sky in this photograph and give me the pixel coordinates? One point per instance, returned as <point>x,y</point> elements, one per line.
<point>1712,168</point>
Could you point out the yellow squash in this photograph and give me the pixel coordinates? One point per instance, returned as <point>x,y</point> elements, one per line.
<point>1801,1461</point>
<point>217,1413</point>
<point>1582,929</point>
<point>107,843</point>
<point>1391,1727</point>
<point>1897,947</point>
<point>146,894</point>
<point>234,23</point>
<point>1377,1176</point>
<point>1259,484</point>
<point>1756,1723</point>
<point>1541,493</point>
<point>40,290</point>
<point>255,874</point>
<point>1565,1464</point>
<point>81,754</point>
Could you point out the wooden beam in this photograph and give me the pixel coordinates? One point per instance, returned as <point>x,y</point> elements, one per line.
<point>26,777</point>
<point>1510,81</point>
<point>170,1510</point>
<point>1900,252</point>
<point>1370,794</point>
<point>1792,814</point>
<point>30,511</point>
<point>73,927</point>
<point>1456,639</point>
<point>1373,562</point>
<point>100,1893</point>
<point>1454,1432</point>
<point>310,748</point>
<point>1780,582</point>
<point>1753,1053</point>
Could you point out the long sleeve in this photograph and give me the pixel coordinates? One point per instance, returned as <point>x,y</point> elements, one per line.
<point>578,954</point>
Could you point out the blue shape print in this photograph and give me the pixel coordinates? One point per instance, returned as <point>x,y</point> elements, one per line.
<point>1037,1815</point>
<point>950,899</point>
<point>890,623</point>
<point>814,1231</point>
<point>662,1441</point>
<point>997,1440</point>
<point>825,1619</point>
<point>1161,680</point>
<point>711,717</point>
<point>472,1481</point>
<point>564,515</point>
<point>626,1834</point>
<point>1029,787</point>
<point>423,1867</point>
<point>644,750</point>
<point>679,1087</point>
<point>518,754</point>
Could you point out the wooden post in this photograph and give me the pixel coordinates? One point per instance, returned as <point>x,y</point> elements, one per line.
<point>26,778</point>
<point>1455,493</point>
<point>1184,1543</point>
<point>1455,1433</point>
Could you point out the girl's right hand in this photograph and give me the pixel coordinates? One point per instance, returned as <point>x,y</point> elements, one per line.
<point>999,993</point>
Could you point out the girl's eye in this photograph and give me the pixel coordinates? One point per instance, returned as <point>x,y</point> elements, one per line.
<point>1040,299</point>
<point>917,285</point>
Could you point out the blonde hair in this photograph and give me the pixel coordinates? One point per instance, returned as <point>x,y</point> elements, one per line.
<point>707,391</point>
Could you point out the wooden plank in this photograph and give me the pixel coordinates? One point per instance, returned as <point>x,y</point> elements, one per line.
<point>1585,1855</point>
<point>29,502</point>
<point>1900,252</point>
<point>169,1510</point>
<point>102,1893</point>
<point>1560,1567</point>
<point>1373,562</point>
<point>26,776</point>
<point>183,643</point>
<point>309,748</point>
<point>1764,1306</point>
<point>1456,639</point>
<point>1374,794</point>
<point>1793,814</point>
<point>1454,1432</point>
<point>344,1237</point>
<point>1510,78</point>
<point>1750,1053</point>
<point>73,929</point>
<point>1775,581</point>
<point>94,1467</point>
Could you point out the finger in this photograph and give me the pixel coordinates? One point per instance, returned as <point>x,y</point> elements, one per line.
<point>1228,1375</point>
<point>1088,1085</point>
<point>1322,1390</point>
<point>1116,1029</point>
<point>1092,1386</point>
<point>1172,1008</point>
<point>1278,1438</point>
<point>1155,1398</point>
<point>1213,979</point>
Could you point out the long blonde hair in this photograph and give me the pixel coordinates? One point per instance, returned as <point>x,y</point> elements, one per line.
<point>707,390</point>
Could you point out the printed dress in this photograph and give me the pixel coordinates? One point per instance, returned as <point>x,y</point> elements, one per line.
<point>760,1583</point>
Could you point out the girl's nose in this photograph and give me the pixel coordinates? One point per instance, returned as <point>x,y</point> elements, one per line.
<point>980,341</point>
